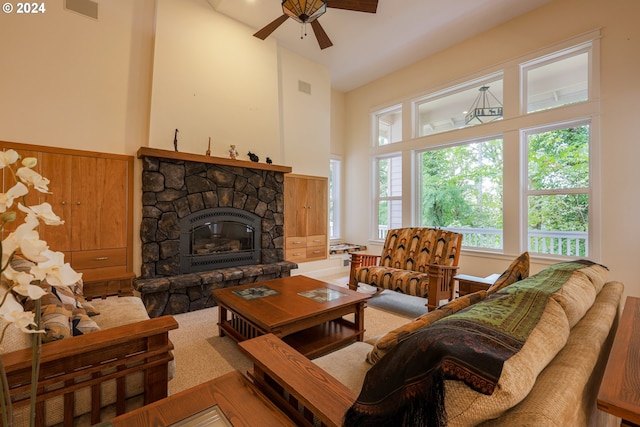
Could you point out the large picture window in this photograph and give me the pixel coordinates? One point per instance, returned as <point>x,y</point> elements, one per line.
<point>335,179</point>
<point>558,189</point>
<point>461,190</point>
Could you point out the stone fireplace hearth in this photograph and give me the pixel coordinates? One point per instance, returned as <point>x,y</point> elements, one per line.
<point>177,187</point>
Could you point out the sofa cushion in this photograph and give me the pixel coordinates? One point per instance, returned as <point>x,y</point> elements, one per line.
<point>518,270</point>
<point>383,345</point>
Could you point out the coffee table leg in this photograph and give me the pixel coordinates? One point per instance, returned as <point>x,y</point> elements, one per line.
<point>359,320</point>
<point>222,317</point>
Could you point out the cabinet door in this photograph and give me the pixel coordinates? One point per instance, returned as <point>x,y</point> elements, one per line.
<point>57,168</point>
<point>295,207</point>
<point>317,207</point>
<point>99,203</point>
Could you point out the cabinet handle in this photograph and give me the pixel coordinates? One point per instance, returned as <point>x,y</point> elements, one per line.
<point>101,258</point>
<point>64,202</point>
<point>297,243</point>
<point>296,254</point>
<point>78,203</point>
<point>316,241</point>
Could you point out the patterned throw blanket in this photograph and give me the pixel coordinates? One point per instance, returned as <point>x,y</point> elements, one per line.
<point>406,387</point>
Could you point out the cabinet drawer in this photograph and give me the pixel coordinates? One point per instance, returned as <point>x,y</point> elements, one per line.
<point>295,242</point>
<point>298,254</point>
<point>317,252</point>
<point>82,260</point>
<point>317,240</point>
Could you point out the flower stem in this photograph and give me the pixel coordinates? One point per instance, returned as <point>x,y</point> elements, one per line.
<point>5,397</point>
<point>35,365</point>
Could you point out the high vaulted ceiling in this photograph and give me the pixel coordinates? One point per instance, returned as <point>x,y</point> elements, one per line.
<point>368,46</point>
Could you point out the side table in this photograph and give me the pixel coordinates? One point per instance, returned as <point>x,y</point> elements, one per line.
<point>469,284</point>
<point>236,397</point>
<point>619,392</point>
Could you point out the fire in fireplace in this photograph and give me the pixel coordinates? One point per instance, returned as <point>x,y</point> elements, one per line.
<point>218,238</point>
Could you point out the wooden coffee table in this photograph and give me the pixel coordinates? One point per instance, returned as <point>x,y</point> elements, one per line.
<point>311,324</point>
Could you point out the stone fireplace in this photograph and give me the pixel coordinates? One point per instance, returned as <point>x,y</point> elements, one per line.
<point>207,223</point>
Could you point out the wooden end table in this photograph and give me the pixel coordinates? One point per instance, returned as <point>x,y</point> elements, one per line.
<point>236,397</point>
<point>619,392</point>
<point>309,324</point>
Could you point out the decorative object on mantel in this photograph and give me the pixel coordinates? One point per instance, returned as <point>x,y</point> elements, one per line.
<point>233,153</point>
<point>253,157</point>
<point>175,140</point>
<point>269,161</point>
<point>28,268</point>
<point>208,153</point>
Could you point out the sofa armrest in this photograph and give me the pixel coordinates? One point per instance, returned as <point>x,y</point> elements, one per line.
<point>92,359</point>
<point>360,260</point>
<point>299,387</point>
<point>441,284</point>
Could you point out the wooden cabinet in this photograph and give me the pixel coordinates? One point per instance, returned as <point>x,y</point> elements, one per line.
<point>306,216</point>
<point>92,193</point>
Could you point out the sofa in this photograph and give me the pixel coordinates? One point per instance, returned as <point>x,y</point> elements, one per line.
<point>417,261</point>
<point>101,358</point>
<point>445,367</point>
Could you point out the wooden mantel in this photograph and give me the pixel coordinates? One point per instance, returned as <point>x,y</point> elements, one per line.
<point>176,155</point>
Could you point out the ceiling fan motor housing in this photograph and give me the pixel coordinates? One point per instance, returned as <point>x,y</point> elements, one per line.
<point>304,11</point>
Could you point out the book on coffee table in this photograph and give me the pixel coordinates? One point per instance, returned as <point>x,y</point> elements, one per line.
<point>322,294</point>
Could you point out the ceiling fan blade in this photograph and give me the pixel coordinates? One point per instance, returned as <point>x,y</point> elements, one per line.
<point>271,27</point>
<point>356,5</point>
<point>321,35</point>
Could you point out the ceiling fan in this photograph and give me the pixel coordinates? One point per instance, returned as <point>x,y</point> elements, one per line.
<point>308,11</point>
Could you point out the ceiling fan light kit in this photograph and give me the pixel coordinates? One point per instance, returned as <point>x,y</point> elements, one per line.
<point>308,11</point>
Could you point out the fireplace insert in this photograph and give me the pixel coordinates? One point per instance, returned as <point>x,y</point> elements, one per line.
<point>219,237</point>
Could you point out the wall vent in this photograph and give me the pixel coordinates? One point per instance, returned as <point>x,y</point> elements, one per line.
<point>84,7</point>
<point>304,87</point>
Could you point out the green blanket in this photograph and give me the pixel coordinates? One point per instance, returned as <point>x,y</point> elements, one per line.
<point>406,387</point>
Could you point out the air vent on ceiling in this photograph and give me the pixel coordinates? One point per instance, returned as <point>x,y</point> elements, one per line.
<point>84,7</point>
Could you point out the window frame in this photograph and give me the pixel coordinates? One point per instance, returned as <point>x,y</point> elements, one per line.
<point>335,197</point>
<point>377,199</point>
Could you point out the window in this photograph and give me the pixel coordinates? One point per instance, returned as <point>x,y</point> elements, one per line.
<point>335,186</point>
<point>448,109</point>
<point>557,80</point>
<point>524,182</point>
<point>461,190</point>
<point>388,173</point>
<point>558,190</point>
<point>388,125</point>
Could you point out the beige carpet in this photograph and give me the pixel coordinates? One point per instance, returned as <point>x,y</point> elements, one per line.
<point>201,355</point>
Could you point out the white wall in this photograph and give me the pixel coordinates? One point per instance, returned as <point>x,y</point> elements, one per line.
<point>70,81</point>
<point>211,79</point>
<point>620,91</point>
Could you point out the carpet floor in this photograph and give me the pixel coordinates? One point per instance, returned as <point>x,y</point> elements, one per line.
<point>201,354</point>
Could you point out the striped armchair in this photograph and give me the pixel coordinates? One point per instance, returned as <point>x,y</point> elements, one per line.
<point>414,261</point>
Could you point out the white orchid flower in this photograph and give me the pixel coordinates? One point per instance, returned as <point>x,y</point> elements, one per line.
<point>22,282</point>
<point>31,177</point>
<point>13,312</point>
<point>55,271</point>
<point>6,199</point>
<point>8,157</point>
<point>29,162</point>
<point>26,239</point>
<point>43,211</point>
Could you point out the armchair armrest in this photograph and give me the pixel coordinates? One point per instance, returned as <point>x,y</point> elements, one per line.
<point>360,260</point>
<point>92,359</point>
<point>292,381</point>
<point>441,284</point>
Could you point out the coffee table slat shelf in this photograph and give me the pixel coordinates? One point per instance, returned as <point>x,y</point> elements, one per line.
<point>312,327</point>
